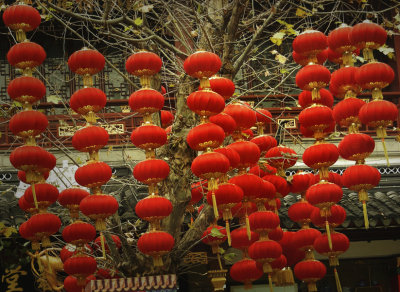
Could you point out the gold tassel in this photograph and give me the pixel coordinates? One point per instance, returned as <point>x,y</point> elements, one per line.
<point>90,118</point>
<point>366,222</point>
<point>228,232</point>
<point>48,262</point>
<point>338,285</point>
<point>271,289</point>
<point>20,35</point>
<point>205,83</point>
<point>145,81</point>
<point>368,55</point>
<point>348,59</point>
<point>87,80</point>
<point>315,95</point>
<point>34,197</point>
<point>312,287</point>
<point>103,249</point>
<point>248,226</point>
<point>328,234</point>
<point>385,151</point>
<point>376,94</point>
<point>215,207</point>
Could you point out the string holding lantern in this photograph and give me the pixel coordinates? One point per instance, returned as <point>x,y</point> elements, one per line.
<point>86,62</point>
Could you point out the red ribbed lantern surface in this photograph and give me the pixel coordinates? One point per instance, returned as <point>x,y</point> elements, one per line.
<point>86,62</point>
<point>202,64</point>
<point>305,98</point>
<point>87,100</point>
<point>310,271</point>
<point>43,225</point>
<point>210,165</point>
<point>223,86</point>
<point>316,118</point>
<point>205,102</point>
<point>225,121</point>
<point>368,36</point>
<point>26,89</point>
<point>21,18</point>
<point>79,233</point>
<point>146,101</point>
<point>323,195</point>
<point>336,217</point>
<point>80,266</point>
<point>205,136</point>
<point>46,195</point>
<point>309,43</point>
<point>248,151</point>
<point>151,171</point>
<point>245,271</point>
<point>340,244</point>
<point>156,244</point>
<point>28,123</point>
<point>143,63</point>
<point>71,198</point>
<point>93,174</point>
<point>313,78</point>
<point>356,147</point>
<point>26,55</point>
<point>346,112</point>
<point>300,212</point>
<point>281,157</point>
<point>321,156</point>
<point>90,139</point>
<point>244,116</point>
<point>167,118</point>
<point>153,208</point>
<point>344,82</point>
<point>214,235</point>
<point>148,136</point>
<point>265,251</point>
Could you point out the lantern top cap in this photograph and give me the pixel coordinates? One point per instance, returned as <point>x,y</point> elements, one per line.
<point>310,31</point>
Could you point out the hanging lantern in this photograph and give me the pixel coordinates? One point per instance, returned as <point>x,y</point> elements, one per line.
<point>356,147</point>
<point>214,235</point>
<point>305,60</point>
<point>99,207</point>
<point>156,244</point>
<point>21,18</point>
<point>304,239</point>
<point>313,78</point>
<point>248,151</point>
<point>281,185</point>
<point>244,116</point>
<point>281,157</point>
<point>26,90</point>
<point>262,170</point>
<point>205,103</point>
<point>263,222</point>
<point>339,41</point>
<point>324,195</point>
<point>26,56</point>
<point>242,210</point>
<point>79,233</point>
<point>28,234</point>
<point>28,124</point>
<point>143,64</point>
<point>90,139</point>
<point>93,175</point>
<point>321,156</point>
<point>167,118</point>
<point>43,225</point>
<point>340,244</point>
<point>27,207</point>
<point>151,171</point>
<point>292,254</point>
<point>374,76</point>
<point>226,196</point>
<point>148,137</point>
<point>265,251</point>
<point>345,82</point>
<point>197,193</point>
<point>263,118</point>
<point>225,121</point>
<point>316,118</point>
<point>361,178</point>
<point>275,234</point>
<point>301,181</point>
<point>71,198</point>
<point>146,101</point>
<point>300,213</point>
<point>241,241</point>
<point>346,113</point>
<point>86,62</point>
<point>223,86</point>
<point>305,98</point>
<point>251,185</point>
<point>71,283</point>
<point>22,177</point>
<point>205,136</point>
<point>309,43</point>
<point>379,114</point>
<point>153,208</point>
<point>80,266</point>
<point>310,271</point>
<point>45,195</point>
<point>231,154</point>
<point>335,219</point>
<point>245,271</point>
<point>264,142</point>
<point>87,102</point>
<point>210,166</point>
<point>368,36</point>
<point>202,65</point>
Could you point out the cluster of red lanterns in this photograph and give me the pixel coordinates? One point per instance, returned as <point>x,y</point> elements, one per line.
<point>149,137</point>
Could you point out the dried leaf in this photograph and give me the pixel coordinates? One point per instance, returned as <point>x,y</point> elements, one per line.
<point>280,58</point>
<point>138,21</point>
<point>53,99</point>
<point>301,12</point>
<point>146,8</point>
<point>277,38</point>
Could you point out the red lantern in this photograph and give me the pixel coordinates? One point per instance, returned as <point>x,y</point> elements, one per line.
<point>305,60</point>
<point>245,271</point>
<point>71,283</point>
<point>265,251</point>
<point>167,118</point>
<point>247,135</point>
<point>26,89</point>
<point>21,18</point>
<point>345,83</point>
<point>263,222</point>
<point>304,239</point>
<point>252,185</point>
<point>321,156</point>
<point>25,206</point>
<point>368,36</point>
<point>340,243</point>
<point>339,41</point>
<point>336,217</point>
<point>69,250</point>
<point>300,212</point>
<point>244,116</point>
<point>71,198</point>
<point>80,266</point>
<point>226,196</point>
<point>324,195</point>
<point>205,102</point>
<point>28,234</point>
<point>151,171</point>
<point>88,100</point>
<point>156,244</point>
<point>310,43</point>
<point>86,62</point>
<point>279,263</point>
<point>333,177</point>
<point>28,124</point>
<point>197,193</point>
<point>305,98</point>
<point>301,181</point>
<point>310,271</point>
<point>32,159</point>
<point>46,195</point>
<point>153,208</point>
<point>146,101</point>
<point>202,64</point>
<point>262,170</point>
<point>264,142</point>
<point>223,86</point>
<point>356,147</point>
<point>309,133</point>
<point>43,225</point>
<point>293,255</point>
<point>99,207</point>
<point>316,118</point>
<point>79,233</point>
<point>240,240</point>
<point>210,165</point>
<point>231,154</point>
<point>275,234</point>
<point>374,76</point>
<point>115,239</point>
<point>143,63</point>
<point>281,157</point>
<point>90,139</point>
<point>313,78</point>
<point>346,112</point>
<point>214,235</point>
<point>281,186</point>
<point>248,151</point>
<point>225,121</point>
<point>93,175</point>
<point>26,55</point>
<point>242,210</point>
<point>148,136</point>
<point>263,117</point>
<point>205,136</point>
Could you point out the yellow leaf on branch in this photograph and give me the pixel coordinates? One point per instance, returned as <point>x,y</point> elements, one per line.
<point>277,38</point>
<point>301,12</point>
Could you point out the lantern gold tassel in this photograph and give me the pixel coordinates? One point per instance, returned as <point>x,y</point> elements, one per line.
<point>366,222</point>
<point>328,234</point>
<point>87,80</point>
<point>20,35</point>
<point>228,232</point>
<point>34,197</point>
<point>315,95</point>
<point>248,226</point>
<point>338,285</point>
<point>271,289</point>
<point>312,287</point>
<point>157,261</point>
<point>215,207</point>
<point>103,249</point>
<point>368,55</point>
<point>385,151</point>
